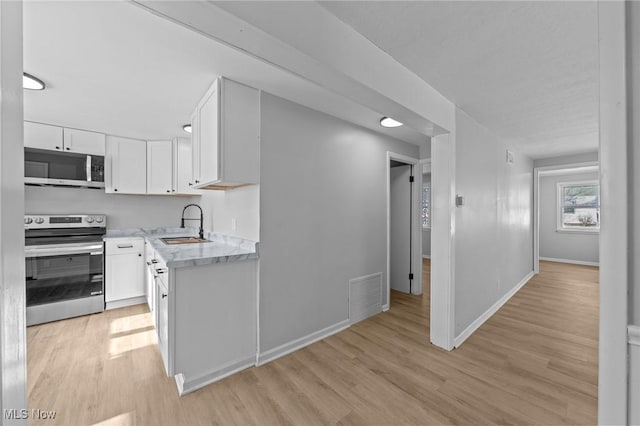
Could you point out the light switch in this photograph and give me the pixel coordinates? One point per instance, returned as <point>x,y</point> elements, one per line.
<point>459,201</point>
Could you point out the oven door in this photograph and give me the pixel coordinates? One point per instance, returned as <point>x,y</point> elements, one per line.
<point>63,280</point>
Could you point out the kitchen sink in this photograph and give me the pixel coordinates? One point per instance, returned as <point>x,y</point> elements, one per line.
<point>183,240</point>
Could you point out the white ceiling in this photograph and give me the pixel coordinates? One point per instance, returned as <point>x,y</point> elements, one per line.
<point>526,70</point>
<point>113,67</point>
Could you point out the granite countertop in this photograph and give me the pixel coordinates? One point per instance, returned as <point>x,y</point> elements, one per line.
<point>219,249</point>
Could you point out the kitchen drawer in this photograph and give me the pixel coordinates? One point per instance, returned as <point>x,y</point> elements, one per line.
<point>124,246</point>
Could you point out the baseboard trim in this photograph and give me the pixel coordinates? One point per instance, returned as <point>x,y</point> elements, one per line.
<point>186,386</point>
<point>573,262</point>
<point>385,308</point>
<point>489,312</point>
<point>426,256</point>
<point>126,302</point>
<point>634,334</point>
<point>300,343</point>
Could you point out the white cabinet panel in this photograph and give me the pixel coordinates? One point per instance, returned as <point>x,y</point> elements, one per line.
<point>208,134</point>
<point>84,142</point>
<point>195,147</point>
<point>124,270</point>
<point>226,136</point>
<point>42,136</point>
<point>160,167</point>
<point>149,268</point>
<point>162,318</point>
<point>183,166</point>
<point>126,166</point>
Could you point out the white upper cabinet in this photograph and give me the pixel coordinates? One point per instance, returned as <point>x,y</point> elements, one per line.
<point>55,138</point>
<point>160,166</point>
<point>42,136</point>
<point>226,136</point>
<point>183,165</point>
<point>84,142</point>
<point>125,166</point>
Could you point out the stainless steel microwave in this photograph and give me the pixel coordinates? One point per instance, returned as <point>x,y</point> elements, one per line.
<point>44,167</point>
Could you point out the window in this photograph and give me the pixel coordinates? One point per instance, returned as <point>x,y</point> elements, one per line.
<point>426,205</point>
<point>579,206</point>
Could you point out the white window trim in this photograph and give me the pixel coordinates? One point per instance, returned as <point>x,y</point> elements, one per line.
<point>559,205</point>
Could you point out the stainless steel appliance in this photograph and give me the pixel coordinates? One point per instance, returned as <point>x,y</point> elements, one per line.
<point>64,266</point>
<point>44,167</point>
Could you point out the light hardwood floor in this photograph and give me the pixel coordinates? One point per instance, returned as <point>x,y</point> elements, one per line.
<point>534,362</point>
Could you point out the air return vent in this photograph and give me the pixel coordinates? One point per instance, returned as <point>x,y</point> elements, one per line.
<point>365,297</point>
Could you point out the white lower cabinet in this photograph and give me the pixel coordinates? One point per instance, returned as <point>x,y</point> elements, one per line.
<point>206,321</point>
<point>162,316</point>
<point>124,272</point>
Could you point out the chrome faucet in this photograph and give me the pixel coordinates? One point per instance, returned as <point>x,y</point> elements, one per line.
<point>201,234</point>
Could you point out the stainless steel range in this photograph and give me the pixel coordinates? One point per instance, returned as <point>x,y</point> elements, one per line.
<point>64,266</point>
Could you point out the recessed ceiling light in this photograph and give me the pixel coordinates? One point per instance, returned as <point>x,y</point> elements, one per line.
<point>389,122</point>
<point>187,128</point>
<point>32,83</point>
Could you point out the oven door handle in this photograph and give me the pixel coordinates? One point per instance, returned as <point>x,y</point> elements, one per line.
<point>61,250</point>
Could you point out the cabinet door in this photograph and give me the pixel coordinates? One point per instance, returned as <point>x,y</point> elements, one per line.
<point>150,282</point>
<point>160,167</point>
<point>126,166</point>
<point>162,320</point>
<point>125,276</point>
<point>183,165</point>
<point>42,136</point>
<point>209,133</point>
<point>195,147</point>
<point>84,142</point>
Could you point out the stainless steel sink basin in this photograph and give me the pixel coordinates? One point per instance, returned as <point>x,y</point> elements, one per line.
<point>183,240</point>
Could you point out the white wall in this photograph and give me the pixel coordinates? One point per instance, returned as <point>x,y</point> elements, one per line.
<point>123,211</point>
<point>426,232</point>
<point>493,230</point>
<point>323,216</point>
<point>581,247</point>
<point>242,204</point>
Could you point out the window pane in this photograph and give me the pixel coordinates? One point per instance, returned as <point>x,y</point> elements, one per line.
<point>583,196</point>
<point>426,198</point>
<point>581,217</point>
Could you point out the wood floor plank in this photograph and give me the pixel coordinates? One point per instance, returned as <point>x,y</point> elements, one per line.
<point>534,362</point>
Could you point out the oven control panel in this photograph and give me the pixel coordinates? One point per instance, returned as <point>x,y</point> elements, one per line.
<point>65,221</point>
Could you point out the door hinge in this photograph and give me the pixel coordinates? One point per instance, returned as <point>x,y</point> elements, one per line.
<point>410,276</point>
<point>410,178</point>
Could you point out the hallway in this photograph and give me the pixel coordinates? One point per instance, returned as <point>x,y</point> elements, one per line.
<point>534,362</point>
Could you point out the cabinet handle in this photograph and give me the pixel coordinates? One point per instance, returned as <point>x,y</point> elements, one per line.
<point>197,181</point>
<point>125,245</point>
<point>164,295</point>
<point>160,271</point>
<point>68,149</point>
<point>115,190</point>
<point>190,184</point>
<point>168,190</point>
<point>139,254</point>
<point>154,260</point>
<point>57,147</point>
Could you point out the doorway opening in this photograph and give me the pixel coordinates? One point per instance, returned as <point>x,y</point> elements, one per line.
<point>404,251</point>
<point>567,214</point>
